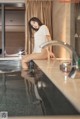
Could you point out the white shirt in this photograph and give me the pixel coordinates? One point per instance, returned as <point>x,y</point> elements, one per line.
<point>40,38</point>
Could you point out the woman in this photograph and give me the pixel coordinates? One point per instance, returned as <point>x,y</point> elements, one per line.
<point>41,35</point>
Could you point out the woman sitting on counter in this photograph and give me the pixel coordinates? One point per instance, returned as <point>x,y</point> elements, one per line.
<point>41,36</point>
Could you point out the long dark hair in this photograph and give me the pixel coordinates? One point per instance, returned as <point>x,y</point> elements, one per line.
<point>31,27</point>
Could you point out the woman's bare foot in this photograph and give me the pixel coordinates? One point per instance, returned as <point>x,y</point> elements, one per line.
<point>24,66</point>
<point>23,73</point>
<point>25,69</point>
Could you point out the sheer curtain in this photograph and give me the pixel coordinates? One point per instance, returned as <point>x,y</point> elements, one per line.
<point>41,9</point>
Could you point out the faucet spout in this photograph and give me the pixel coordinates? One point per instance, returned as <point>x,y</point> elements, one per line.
<point>69,48</point>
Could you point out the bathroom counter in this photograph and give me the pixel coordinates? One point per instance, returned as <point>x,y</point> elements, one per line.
<point>70,88</point>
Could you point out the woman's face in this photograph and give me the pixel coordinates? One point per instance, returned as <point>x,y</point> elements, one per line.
<point>35,24</point>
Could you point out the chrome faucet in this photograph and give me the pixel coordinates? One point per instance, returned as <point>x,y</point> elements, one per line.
<point>74,63</point>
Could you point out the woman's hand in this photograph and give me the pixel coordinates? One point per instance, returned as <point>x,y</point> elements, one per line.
<point>51,55</point>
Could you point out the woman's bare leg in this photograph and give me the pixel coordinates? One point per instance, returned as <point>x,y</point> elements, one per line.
<point>33,56</point>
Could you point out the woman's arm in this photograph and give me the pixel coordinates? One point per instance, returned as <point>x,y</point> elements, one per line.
<point>49,49</point>
<point>49,39</point>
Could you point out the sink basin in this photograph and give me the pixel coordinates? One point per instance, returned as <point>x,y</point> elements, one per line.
<point>7,66</point>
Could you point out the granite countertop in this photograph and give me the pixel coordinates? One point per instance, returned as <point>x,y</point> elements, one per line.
<point>70,88</point>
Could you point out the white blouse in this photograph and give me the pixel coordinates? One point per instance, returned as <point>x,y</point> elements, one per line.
<point>40,38</point>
